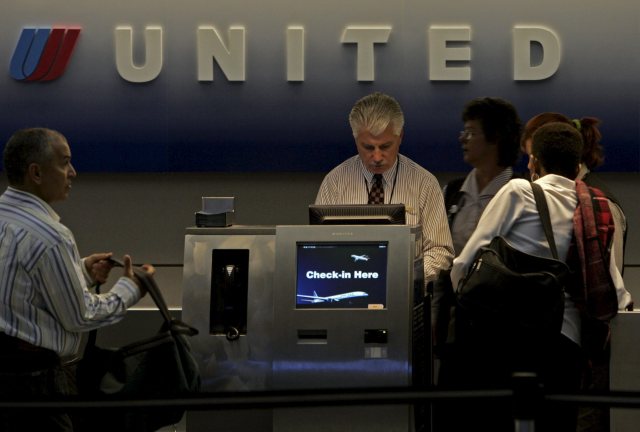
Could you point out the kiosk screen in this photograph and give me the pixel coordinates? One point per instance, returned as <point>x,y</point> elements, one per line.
<point>339,275</point>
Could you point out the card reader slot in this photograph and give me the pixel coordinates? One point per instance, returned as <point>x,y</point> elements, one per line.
<point>313,336</point>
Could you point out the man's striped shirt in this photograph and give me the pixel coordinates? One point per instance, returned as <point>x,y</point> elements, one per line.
<point>44,298</point>
<point>405,183</point>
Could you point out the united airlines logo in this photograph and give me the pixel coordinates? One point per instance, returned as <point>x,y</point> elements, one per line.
<point>42,54</point>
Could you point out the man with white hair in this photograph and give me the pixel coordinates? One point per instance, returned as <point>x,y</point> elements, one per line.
<point>379,174</point>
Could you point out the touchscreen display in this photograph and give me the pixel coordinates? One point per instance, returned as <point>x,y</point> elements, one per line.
<point>341,275</point>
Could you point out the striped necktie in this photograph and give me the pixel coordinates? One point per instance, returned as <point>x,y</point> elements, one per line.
<point>376,194</point>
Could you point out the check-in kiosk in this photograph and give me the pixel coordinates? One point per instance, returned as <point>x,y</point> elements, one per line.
<point>349,313</point>
<point>308,307</point>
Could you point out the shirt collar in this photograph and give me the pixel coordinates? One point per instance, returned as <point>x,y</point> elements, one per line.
<point>21,198</point>
<point>555,179</point>
<point>470,185</point>
<point>387,176</point>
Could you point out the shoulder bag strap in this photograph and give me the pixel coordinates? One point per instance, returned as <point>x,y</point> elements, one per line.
<point>150,286</point>
<point>154,292</point>
<point>452,196</point>
<point>175,325</point>
<point>543,211</point>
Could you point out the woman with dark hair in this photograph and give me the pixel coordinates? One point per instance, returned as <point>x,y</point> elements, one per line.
<point>490,142</point>
<point>592,153</point>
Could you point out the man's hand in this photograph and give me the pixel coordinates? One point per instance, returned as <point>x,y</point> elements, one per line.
<point>98,266</point>
<point>128,272</point>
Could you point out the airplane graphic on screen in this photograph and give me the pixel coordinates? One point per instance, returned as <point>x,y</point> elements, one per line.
<point>315,298</point>
<point>360,258</point>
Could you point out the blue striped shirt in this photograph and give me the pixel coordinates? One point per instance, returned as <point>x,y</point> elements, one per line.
<point>44,298</point>
<point>406,183</point>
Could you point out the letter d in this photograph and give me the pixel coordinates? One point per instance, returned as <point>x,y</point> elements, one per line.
<point>523,37</point>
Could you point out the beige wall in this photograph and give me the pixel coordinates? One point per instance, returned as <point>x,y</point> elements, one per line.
<point>145,214</point>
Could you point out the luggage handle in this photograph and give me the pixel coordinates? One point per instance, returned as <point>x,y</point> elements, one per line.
<point>149,283</point>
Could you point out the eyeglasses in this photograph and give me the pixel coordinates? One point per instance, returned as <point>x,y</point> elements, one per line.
<point>468,134</point>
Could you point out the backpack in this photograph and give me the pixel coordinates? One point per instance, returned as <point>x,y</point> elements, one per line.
<point>593,290</point>
<point>593,180</point>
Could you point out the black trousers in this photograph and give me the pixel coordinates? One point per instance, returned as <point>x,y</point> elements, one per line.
<point>30,373</point>
<point>489,363</point>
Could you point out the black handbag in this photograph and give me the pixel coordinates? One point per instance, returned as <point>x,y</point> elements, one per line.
<point>512,290</point>
<point>161,366</point>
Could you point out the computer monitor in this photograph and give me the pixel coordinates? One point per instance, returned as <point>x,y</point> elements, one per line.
<point>357,214</point>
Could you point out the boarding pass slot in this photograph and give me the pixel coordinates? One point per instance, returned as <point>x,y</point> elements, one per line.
<point>312,337</point>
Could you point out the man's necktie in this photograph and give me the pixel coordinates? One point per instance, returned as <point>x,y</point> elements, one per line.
<point>376,194</point>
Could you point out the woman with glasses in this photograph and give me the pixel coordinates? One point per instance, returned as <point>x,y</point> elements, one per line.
<point>490,143</point>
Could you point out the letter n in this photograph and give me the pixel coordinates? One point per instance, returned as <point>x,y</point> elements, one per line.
<point>231,60</point>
